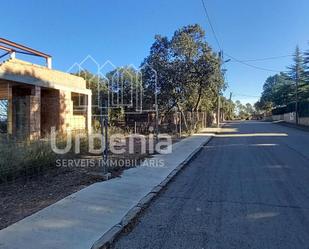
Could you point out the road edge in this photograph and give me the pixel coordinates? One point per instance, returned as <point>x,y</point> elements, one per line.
<point>110,236</point>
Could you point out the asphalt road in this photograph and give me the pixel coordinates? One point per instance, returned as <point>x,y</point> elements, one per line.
<point>248,188</point>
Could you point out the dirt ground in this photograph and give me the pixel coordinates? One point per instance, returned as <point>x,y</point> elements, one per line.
<point>25,196</point>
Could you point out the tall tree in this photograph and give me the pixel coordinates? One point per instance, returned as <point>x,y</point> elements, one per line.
<point>306,62</point>
<point>228,108</point>
<point>297,74</point>
<point>249,109</point>
<point>277,90</point>
<point>185,70</point>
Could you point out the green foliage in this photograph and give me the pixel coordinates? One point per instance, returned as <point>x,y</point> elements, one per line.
<point>244,111</point>
<point>183,70</point>
<point>228,108</point>
<point>97,85</point>
<point>261,106</point>
<point>297,69</point>
<point>303,109</point>
<point>186,70</point>
<point>279,110</point>
<point>125,87</point>
<point>280,90</point>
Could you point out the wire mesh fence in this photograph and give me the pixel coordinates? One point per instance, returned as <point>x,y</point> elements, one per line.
<point>26,142</point>
<point>171,123</point>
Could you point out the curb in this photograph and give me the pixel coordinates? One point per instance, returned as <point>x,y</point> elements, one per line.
<point>109,237</point>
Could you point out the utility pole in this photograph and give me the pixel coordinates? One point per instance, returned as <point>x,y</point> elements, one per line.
<point>296,95</point>
<point>218,111</point>
<point>157,114</point>
<point>218,99</point>
<point>298,77</point>
<point>221,62</point>
<point>230,107</point>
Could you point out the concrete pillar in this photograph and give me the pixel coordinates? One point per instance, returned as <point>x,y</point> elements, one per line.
<point>65,111</point>
<point>10,110</point>
<point>35,113</point>
<point>49,62</point>
<point>89,113</point>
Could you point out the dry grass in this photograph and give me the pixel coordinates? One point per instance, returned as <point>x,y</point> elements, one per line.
<point>24,158</point>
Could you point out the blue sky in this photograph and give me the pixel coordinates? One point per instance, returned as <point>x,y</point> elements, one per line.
<point>123,31</point>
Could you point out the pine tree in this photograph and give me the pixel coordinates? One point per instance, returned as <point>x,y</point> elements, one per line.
<point>297,74</point>
<point>297,70</point>
<point>306,62</point>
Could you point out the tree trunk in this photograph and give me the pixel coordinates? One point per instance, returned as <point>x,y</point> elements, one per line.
<point>184,117</point>
<point>197,104</point>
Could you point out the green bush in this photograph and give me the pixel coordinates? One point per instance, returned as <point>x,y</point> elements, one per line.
<point>303,109</point>
<point>279,110</point>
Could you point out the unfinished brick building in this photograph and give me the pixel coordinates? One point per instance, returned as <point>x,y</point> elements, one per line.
<point>39,98</point>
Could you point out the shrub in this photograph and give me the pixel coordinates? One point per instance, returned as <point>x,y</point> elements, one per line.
<point>303,109</point>
<point>279,110</point>
<point>24,158</point>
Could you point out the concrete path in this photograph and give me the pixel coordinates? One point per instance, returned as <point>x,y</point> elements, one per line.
<point>79,220</point>
<point>247,188</point>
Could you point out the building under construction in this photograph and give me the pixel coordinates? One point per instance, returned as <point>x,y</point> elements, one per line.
<point>35,98</point>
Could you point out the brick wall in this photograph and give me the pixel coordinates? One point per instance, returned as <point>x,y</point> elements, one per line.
<point>50,108</point>
<point>67,119</point>
<point>35,113</point>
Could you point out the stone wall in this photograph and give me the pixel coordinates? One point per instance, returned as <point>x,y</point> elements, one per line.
<point>287,117</point>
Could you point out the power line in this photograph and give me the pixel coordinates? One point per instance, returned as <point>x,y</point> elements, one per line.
<point>211,26</point>
<point>233,58</point>
<point>253,66</point>
<point>245,95</point>
<point>235,94</point>
<point>268,58</point>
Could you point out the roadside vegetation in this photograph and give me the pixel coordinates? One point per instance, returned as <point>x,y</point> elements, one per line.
<point>183,70</point>
<point>281,91</point>
<point>24,158</point>
<point>181,73</point>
